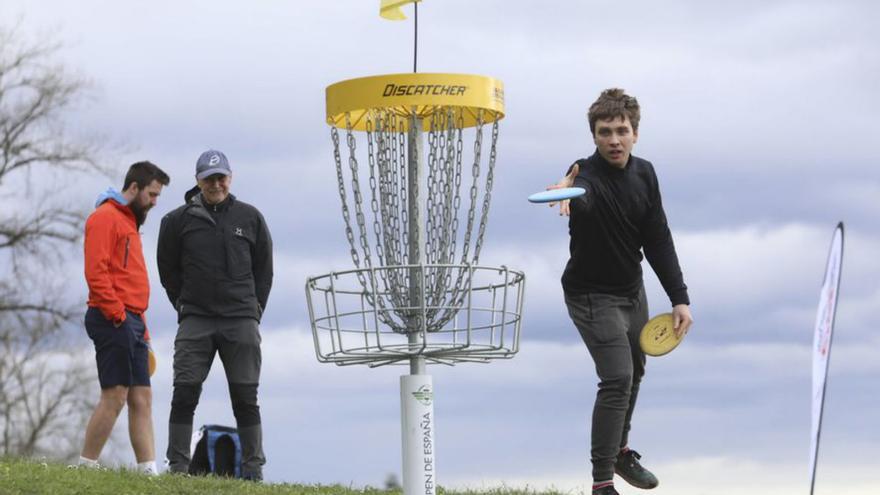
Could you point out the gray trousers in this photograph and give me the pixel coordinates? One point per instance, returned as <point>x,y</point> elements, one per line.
<point>198,340</point>
<point>610,327</point>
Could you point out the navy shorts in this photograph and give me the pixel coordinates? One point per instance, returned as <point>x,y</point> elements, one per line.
<point>121,353</point>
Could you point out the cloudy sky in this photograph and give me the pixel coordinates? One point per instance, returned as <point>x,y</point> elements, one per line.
<point>758,115</point>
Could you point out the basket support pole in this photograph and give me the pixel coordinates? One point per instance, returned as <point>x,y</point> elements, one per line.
<point>416,389</point>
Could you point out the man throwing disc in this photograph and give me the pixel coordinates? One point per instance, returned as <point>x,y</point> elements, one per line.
<point>619,217</point>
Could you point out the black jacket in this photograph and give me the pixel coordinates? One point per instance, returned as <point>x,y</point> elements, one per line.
<point>215,260</point>
<point>620,215</point>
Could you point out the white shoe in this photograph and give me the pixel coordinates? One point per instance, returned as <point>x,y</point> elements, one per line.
<point>87,463</point>
<point>148,468</point>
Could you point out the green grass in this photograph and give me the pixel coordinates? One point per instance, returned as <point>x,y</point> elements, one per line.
<point>26,477</point>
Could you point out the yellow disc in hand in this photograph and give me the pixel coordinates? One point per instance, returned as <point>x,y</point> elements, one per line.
<point>151,361</point>
<point>658,336</point>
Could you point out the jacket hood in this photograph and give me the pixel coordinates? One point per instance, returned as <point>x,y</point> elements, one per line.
<point>194,198</point>
<point>113,194</point>
<point>192,192</point>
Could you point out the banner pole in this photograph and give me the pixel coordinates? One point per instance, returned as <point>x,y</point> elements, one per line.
<point>822,338</point>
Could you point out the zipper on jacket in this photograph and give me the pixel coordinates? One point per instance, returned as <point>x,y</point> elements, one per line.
<point>125,258</point>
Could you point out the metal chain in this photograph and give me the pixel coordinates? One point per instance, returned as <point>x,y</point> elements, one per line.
<point>390,210</point>
<point>451,184</point>
<point>487,197</point>
<point>374,125</point>
<point>374,200</point>
<point>444,213</point>
<point>446,286</point>
<point>456,201</point>
<point>397,222</point>
<point>459,288</point>
<point>475,172</point>
<point>435,226</point>
<point>404,197</point>
<point>394,288</point>
<point>358,197</point>
<point>442,189</point>
<point>349,233</point>
<point>433,180</point>
<point>431,189</point>
<point>393,241</point>
<point>346,216</point>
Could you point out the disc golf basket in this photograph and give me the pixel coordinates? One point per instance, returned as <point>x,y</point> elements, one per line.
<point>415,219</point>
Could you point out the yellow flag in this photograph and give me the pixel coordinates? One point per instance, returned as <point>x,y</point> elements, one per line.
<point>390,9</point>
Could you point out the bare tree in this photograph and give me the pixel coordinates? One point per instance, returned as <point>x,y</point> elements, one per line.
<point>43,396</point>
<point>46,385</point>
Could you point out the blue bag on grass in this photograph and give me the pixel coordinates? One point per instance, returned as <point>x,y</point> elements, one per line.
<point>218,452</point>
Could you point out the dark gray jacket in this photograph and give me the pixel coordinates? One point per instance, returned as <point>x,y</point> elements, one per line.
<point>216,260</point>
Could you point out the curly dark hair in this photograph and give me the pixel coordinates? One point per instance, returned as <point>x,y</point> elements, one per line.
<point>613,103</point>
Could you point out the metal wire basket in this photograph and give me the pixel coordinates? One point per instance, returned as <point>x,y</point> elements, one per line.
<point>480,324</point>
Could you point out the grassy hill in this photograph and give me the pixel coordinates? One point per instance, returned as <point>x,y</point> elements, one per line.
<point>26,477</point>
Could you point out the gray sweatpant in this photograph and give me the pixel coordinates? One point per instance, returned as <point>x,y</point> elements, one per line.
<point>199,339</point>
<point>610,327</point>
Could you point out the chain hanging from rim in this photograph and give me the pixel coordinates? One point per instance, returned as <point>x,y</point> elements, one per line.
<point>451,244</point>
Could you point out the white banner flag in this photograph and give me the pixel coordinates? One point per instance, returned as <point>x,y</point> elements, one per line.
<point>822,341</point>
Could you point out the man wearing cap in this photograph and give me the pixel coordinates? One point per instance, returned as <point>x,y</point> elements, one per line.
<point>215,263</point>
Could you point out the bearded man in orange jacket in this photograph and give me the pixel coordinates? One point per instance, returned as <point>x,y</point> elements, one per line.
<point>119,293</point>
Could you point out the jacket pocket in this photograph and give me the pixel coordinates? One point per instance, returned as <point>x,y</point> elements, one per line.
<point>127,249</point>
<point>238,257</point>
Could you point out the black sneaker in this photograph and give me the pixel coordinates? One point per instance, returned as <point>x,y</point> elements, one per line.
<point>627,467</point>
<point>255,476</point>
<point>605,490</point>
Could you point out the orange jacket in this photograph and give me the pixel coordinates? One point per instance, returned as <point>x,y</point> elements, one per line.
<point>114,263</point>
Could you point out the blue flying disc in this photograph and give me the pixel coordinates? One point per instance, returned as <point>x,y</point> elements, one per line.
<point>556,194</point>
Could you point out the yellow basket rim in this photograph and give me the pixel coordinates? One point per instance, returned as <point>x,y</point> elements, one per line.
<point>419,95</point>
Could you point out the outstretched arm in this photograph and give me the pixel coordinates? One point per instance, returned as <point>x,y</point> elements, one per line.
<point>567,181</point>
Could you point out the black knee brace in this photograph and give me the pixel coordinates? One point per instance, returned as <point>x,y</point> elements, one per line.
<point>184,402</point>
<point>244,404</point>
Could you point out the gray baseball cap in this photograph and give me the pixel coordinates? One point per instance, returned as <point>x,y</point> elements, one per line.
<point>212,162</point>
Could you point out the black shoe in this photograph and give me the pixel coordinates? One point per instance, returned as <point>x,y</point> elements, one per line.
<point>607,490</point>
<point>178,469</point>
<point>255,476</point>
<point>627,467</point>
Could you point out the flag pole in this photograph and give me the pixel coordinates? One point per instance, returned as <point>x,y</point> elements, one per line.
<point>416,37</point>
